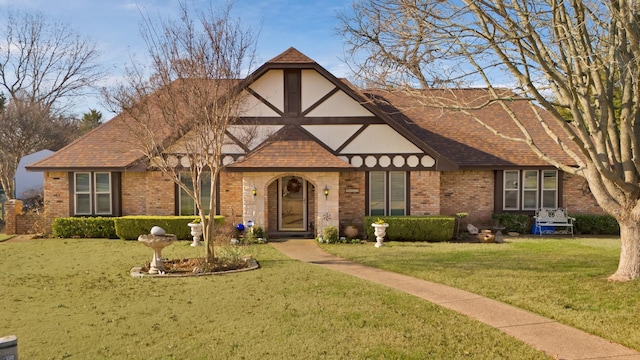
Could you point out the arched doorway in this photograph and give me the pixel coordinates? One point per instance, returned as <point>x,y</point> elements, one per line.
<point>292,205</point>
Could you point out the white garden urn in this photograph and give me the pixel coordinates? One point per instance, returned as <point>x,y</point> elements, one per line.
<point>196,232</point>
<point>380,230</point>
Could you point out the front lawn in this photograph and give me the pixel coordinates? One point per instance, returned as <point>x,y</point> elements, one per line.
<point>561,278</point>
<point>75,299</point>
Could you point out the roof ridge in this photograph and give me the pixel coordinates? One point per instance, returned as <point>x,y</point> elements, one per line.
<point>291,55</point>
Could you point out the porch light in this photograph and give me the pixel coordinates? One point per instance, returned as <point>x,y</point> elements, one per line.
<point>326,191</point>
<point>254,191</point>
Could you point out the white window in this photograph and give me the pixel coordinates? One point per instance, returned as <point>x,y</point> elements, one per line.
<point>529,189</point>
<point>187,206</point>
<point>539,189</point>
<point>102,189</point>
<point>387,193</point>
<point>92,193</point>
<point>549,188</point>
<point>511,198</point>
<point>397,193</point>
<point>82,186</point>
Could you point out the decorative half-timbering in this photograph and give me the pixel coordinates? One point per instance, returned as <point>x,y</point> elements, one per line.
<point>311,150</point>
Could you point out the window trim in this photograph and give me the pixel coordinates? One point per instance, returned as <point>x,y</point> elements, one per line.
<point>96,193</point>
<point>76,193</point>
<point>387,192</point>
<point>113,191</point>
<point>516,189</point>
<point>525,189</point>
<point>501,189</point>
<point>179,192</point>
<point>555,189</point>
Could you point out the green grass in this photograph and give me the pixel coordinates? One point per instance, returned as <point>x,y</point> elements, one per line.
<point>75,299</point>
<point>4,237</point>
<point>564,278</point>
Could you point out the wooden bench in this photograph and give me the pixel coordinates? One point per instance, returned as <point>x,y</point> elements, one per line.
<point>553,218</point>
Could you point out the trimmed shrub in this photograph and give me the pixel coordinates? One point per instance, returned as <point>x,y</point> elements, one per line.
<point>84,227</point>
<point>330,234</point>
<point>130,227</point>
<point>520,223</point>
<point>432,228</point>
<point>596,224</point>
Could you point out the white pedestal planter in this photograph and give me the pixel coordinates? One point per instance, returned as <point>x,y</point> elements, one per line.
<point>196,232</point>
<point>380,231</point>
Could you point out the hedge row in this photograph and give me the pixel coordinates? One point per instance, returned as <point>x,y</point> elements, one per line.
<point>126,227</point>
<point>584,223</point>
<point>596,225</point>
<point>84,227</point>
<point>432,228</point>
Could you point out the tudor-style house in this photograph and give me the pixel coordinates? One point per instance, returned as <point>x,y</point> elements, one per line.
<point>335,154</point>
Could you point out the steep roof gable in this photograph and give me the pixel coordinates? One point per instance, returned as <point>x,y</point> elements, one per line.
<point>291,148</point>
<point>376,129</point>
<point>291,56</point>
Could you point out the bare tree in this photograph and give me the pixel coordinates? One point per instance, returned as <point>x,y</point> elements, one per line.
<point>43,65</point>
<point>578,56</point>
<point>180,114</point>
<point>28,127</point>
<point>45,61</point>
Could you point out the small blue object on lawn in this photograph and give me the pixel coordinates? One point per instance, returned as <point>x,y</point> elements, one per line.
<point>538,230</point>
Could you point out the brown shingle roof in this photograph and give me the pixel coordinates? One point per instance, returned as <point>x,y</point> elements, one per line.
<point>108,146</point>
<point>462,139</point>
<point>291,148</point>
<point>452,134</point>
<point>291,56</point>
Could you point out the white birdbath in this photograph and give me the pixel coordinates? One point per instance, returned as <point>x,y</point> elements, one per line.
<point>196,232</point>
<point>157,243</point>
<point>380,230</point>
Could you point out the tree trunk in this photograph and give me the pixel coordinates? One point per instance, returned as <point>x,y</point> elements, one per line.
<point>629,265</point>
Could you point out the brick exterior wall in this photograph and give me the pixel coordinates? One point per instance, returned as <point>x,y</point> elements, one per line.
<point>469,191</point>
<point>577,198</point>
<point>352,199</point>
<point>153,193</point>
<point>271,210</point>
<point>159,194</point>
<point>425,193</point>
<point>56,194</point>
<point>231,196</point>
<point>134,193</point>
<point>12,208</point>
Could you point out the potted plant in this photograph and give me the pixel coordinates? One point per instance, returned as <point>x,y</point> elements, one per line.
<point>350,231</point>
<point>380,231</point>
<point>196,231</point>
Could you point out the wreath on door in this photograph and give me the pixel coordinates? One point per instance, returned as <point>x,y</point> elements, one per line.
<point>293,185</point>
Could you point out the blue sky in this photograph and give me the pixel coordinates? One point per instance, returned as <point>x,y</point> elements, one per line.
<point>308,25</point>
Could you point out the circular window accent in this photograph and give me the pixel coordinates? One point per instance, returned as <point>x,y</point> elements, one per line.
<point>185,161</point>
<point>370,161</point>
<point>384,161</point>
<point>172,161</point>
<point>356,161</point>
<point>413,161</point>
<point>398,161</point>
<point>227,160</point>
<point>427,161</point>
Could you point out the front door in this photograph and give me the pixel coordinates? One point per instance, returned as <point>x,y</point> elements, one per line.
<point>292,207</point>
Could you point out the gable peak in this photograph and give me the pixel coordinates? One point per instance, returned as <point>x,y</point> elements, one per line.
<point>291,56</point>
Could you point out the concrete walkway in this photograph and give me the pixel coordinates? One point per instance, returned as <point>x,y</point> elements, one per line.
<point>555,339</point>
